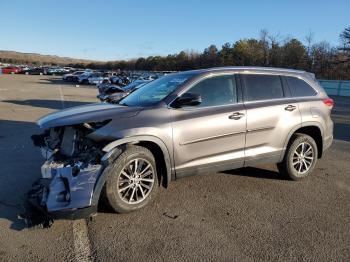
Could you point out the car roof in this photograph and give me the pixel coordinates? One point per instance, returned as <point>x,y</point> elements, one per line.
<point>253,68</point>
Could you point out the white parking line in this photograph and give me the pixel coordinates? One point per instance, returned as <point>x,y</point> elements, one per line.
<point>61,95</point>
<point>82,246</point>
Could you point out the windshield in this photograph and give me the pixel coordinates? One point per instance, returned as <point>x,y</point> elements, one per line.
<point>152,93</point>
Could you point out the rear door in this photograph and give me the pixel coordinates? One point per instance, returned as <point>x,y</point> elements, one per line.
<point>271,115</point>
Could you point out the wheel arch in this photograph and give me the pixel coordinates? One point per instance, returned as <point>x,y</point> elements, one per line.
<point>313,129</point>
<point>115,148</point>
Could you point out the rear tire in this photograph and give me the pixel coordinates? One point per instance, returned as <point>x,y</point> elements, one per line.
<point>300,157</point>
<point>132,180</point>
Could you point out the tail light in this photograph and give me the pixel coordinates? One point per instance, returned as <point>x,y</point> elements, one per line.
<point>329,102</point>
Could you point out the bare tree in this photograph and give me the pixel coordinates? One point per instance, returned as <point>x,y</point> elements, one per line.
<point>309,38</point>
<point>264,40</point>
<point>345,39</point>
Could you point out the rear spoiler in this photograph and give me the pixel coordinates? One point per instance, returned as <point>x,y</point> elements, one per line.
<point>310,75</point>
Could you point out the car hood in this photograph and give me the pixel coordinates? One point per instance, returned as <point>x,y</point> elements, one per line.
<point>95,112</point>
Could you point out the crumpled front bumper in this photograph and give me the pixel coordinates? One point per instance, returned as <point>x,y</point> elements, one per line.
<point>63,192</point>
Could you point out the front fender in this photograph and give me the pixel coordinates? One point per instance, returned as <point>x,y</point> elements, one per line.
<point>114,149</point>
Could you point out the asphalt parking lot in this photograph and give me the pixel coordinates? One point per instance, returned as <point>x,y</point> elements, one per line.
<point>239,215</point>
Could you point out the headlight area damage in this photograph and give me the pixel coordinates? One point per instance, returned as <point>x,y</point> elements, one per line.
<point>69,175</point>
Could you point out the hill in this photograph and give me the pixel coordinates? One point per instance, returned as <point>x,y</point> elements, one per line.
<point>38,59</point>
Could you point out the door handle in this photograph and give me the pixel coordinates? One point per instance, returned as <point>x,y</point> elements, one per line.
<point>236,116</point>
<point>290,108</point>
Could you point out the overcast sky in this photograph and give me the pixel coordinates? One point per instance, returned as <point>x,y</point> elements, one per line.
<point>109,30</point>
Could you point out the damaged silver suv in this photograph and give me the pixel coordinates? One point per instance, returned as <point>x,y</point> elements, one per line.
<point>182,124</point>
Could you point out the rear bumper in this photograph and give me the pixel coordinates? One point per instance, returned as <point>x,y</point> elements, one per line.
<point>327,142</point>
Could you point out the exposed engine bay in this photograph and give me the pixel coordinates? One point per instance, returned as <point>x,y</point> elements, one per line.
<point>69,144</point>
<point>70,172</point>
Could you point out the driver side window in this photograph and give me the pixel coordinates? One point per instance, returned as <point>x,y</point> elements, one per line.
<point>216,91</point>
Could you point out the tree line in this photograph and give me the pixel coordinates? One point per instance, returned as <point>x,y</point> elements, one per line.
<point>321,58</point>
<point>326,61</point>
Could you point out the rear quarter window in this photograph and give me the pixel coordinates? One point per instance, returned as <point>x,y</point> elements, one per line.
<point>299,87</point>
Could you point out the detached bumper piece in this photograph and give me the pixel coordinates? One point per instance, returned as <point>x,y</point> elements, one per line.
<point>35,210</point>
<point>63,192</point>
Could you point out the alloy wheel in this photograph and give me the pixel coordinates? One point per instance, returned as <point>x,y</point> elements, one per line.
<point>303,157</point>
<point>136,181</point>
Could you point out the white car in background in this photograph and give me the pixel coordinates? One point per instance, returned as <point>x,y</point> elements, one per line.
<point>56,70</point>
<point>72,76</point>
<point>84,78</point>
<point>97,78</point>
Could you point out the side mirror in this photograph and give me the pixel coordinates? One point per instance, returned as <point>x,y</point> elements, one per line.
<point>187,99</point>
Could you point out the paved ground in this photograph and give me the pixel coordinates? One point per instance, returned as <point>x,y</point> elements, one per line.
<point>246,214</point>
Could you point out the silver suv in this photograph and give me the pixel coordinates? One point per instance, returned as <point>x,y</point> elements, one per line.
<point>182,124</point>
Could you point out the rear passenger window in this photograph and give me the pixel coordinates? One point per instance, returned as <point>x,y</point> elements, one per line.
<point>299,87</point>
<point>262,87</point>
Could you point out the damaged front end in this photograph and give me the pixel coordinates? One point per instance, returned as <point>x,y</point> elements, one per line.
<point>69,175</point>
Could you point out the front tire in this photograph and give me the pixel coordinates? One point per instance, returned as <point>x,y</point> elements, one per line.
<point>300,158</point>
<point>132,180</point>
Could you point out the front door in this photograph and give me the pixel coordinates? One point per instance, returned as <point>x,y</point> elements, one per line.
<point>211,135</point>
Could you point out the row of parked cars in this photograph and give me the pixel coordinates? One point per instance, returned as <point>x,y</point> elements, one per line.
<point>42,70</point>
<point>112,86</point>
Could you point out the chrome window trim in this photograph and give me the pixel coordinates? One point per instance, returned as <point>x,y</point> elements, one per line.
<point>208,107</point>
<point>247,71</point>
<point>271,100</point>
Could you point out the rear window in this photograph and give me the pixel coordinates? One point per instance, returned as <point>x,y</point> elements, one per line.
<point>262,87</point>
<point>299,87</point>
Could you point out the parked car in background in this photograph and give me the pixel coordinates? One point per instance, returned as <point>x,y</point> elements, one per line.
<point>84,77</point>
<point>72,76</point>
<point>116,97</point>
<point>104,85</point>
<point>107,89</point>
<point>10,70</point>
<point>97,78</point>
<point>112,93</point>
<point>56,71</point>
<point>35,71</point>
<point>25,68</point>
<point>121,80</point>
